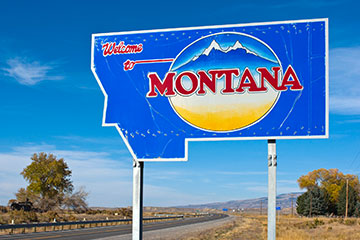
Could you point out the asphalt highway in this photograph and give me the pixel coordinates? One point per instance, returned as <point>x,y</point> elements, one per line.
<point>109,231</point>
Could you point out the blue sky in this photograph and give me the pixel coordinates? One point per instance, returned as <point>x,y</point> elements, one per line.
<point>50,101</point>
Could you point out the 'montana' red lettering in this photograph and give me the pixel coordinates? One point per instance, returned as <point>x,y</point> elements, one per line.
<point>200,79</point>
<point>164,87</point>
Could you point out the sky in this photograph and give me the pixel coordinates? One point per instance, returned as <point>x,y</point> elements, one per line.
<point>50,101</point>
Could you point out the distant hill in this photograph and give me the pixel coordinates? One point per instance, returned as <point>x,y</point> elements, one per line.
<point>282,200</point>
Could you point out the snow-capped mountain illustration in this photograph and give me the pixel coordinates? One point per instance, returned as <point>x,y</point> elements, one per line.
<point>216,46</point>
<point>216,57</point>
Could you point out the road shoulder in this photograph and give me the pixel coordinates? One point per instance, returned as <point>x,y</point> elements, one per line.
<point>177,232</point>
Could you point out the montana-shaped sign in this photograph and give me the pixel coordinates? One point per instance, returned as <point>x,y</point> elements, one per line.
<point>164,88</point>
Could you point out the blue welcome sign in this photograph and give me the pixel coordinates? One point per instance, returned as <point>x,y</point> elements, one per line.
<point>164,88</point>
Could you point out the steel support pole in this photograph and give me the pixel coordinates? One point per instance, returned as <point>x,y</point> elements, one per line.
<point>272,163</point>
<point>137,214</point>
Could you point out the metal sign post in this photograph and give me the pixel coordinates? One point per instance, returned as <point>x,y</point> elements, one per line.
<point>137,214</point>
<point>272,163</point>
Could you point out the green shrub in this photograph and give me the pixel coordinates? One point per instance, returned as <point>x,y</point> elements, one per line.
<point>350,222</point>
<point>315,223</point>
<point>318,222</point>
<point>333,220</point>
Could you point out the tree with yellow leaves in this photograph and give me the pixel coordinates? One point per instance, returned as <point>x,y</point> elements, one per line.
<point>49,180</point>
<point>330,180</point>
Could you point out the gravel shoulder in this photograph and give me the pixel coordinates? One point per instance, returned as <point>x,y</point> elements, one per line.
<point>177,232</point>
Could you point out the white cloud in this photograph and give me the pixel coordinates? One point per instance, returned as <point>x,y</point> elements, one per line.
<point>107,178</point>
<point>279,189</point>
<point>165,196</point>
<point>102,176</point>
<point>242,173</point>
<point>97,140</point>
<point>345,80</point>
<point>30,72</point>
<point>285,189</point>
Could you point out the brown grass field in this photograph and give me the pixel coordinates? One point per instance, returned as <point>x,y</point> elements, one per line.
<point>249,227</point>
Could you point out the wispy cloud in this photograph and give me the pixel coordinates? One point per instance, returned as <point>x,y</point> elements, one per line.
<point>97,171</point>
<point>30,72</point>
<point>166,196</point>
<point>345,81</point>
<point>241,173</point>
<point>107,178</point>
<point>91,140</point>
<point>348,121</point>
<point>280,189</point>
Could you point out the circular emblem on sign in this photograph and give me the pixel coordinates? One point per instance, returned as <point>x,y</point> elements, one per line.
<point>227,65</point>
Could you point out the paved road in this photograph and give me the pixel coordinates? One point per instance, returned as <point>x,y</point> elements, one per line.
<point>101,232</point>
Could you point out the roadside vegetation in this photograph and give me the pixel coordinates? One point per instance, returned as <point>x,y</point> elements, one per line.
<point>328,191</point>
<point>254,227</point>
<point>50,196</point>
<point>49,186</point>
<point>329,209</point>
<point>7,216</point>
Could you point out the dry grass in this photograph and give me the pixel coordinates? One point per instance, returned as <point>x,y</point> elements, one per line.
<point>290,228</point>
<point>249,227</point>
<point>244,228</point>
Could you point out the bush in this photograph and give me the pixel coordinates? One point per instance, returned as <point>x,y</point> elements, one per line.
<point>3,209</point>
<point>93,212</point>
<point>333,220</point>
<point>318,222</point>
<point>50,216</point>
<point>23,217</point>
<point>315,223</point>
<point>350,222</point>
<point>2,220</point>
<point>71,218</point>
<point>126,212</point>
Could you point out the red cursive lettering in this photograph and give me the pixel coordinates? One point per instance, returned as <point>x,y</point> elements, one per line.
<point>111,48</point>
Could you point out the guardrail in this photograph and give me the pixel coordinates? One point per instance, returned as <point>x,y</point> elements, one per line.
<point>79,224</point>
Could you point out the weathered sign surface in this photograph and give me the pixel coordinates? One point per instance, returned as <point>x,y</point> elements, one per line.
<point>164,88</point>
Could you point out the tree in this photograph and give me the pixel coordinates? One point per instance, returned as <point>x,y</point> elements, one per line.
<point>76,201</point>
<point>23,195</point>
<point>352,201</point>
<point>357,209</point>
<point>313,202</point>
<point>49,181</point>
<point>301,203</point>
<point>330,180</point>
